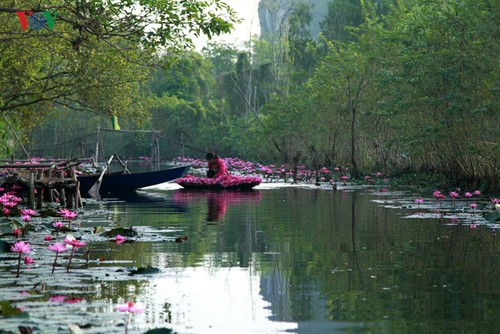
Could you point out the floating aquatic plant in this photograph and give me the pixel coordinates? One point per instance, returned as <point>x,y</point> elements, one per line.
<point>20,247</point>
<point>58,226</point>
<point>57,248</point>
<point>130,308</point>
<point>68,214</point>
<point>75,244</point>
<point>119,239</point>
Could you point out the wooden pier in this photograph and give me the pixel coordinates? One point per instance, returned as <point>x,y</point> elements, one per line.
<point>41,183</point>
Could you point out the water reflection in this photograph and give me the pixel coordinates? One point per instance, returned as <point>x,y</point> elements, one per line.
<point>295,261</point>
<point>217,201</point>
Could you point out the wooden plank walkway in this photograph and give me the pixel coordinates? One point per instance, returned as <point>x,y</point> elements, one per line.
<point>39,183</point>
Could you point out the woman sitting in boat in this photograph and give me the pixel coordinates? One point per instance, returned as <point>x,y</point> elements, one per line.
<point>216,166</point>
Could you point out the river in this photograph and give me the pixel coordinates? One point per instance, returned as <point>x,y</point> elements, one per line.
<point>279,259</point>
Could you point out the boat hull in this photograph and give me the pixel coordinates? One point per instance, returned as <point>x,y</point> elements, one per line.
<point>198,186</point>
<point>131,182</point>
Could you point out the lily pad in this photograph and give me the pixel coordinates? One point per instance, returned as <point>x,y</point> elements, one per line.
<point>125,232</point>
<point>492,217</point>
<point>160,331</point>
<point>145,271</point>
<point>7,310</point>
<point>4,246</point>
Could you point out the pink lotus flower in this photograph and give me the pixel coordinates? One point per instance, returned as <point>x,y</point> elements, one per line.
<point>419,200</point>
<point>74,300</point>
<point>225,180</point>
<point>436,193</point>
<point>57,248</point>
<point>58,226</point>
<point>477,192</point>
<point>29,212</point>
<point>129,307</point>
<point>17,232</point>
<point>28,260</point>
<point>47,238</point>
<point>75,244</point>
<point>57,299</point>
<point>454,195</point>
<point>119,239</point>
<point>20,247</point>
<point>68,214</point>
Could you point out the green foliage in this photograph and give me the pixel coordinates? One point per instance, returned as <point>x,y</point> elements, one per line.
<point>97,55</point>
<point>7,310</point>
<point>404,87</point>
<point>341,15</point>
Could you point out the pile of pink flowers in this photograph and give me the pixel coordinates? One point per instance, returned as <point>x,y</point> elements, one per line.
<point>225,181</point>
<point>284,172</point>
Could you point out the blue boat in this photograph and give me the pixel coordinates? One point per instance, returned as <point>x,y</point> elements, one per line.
<point>120,182</point>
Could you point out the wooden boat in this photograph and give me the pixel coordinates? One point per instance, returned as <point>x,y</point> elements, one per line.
<point>120,182</point>
<point>226,182</point>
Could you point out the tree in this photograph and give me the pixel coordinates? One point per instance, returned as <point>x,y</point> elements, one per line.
<point>341,15</point>
<point>96,53</point>
<point>440,88</point>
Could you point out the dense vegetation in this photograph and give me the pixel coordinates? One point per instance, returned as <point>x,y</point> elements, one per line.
<point>396,86</point>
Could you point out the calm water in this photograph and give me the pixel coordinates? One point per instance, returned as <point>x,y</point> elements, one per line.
<point>293,260</point>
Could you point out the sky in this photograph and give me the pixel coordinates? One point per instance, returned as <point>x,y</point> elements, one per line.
<point>247,11</point>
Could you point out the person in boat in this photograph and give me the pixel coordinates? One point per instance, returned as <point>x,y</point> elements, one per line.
<point>216,166</point>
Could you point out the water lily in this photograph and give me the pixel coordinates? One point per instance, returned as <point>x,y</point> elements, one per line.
<point>58,226</point>
<point>28,260</point>
<point>16,232</point>
<point>129,307</point>
<point>454,195</point>
<point>57,299</point>
<point>68,214</point>
<point>57,248</point>
<point>119,239</point>
<point>70,240</point>
<point>29,212</point>
<point>20,247</point>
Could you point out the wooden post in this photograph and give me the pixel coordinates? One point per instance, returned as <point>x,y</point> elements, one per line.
<point>78,196</point>
<point>31,199</point>
<point>62,191</point>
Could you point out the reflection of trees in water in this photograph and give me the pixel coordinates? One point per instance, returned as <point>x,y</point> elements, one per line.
<point>354,263</point>
<point>367,262</point>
